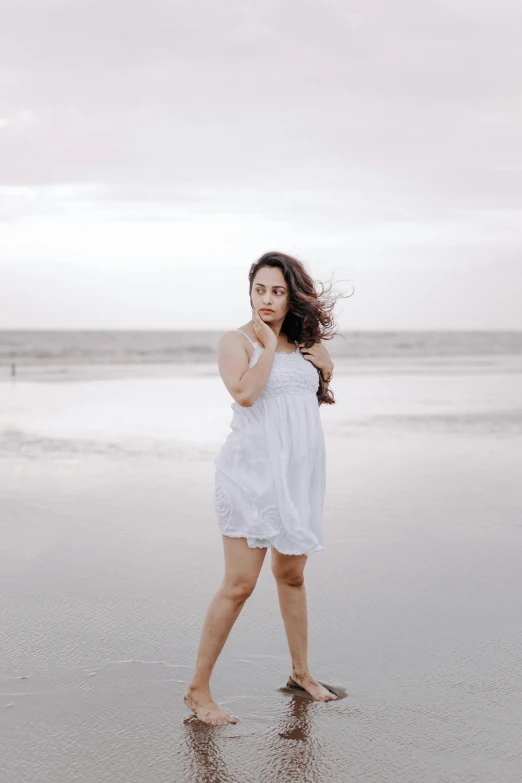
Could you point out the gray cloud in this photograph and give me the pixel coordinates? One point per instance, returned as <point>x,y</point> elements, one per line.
<point>424,96</point>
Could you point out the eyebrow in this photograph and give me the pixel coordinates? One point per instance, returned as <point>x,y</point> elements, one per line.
<point>274,286</point>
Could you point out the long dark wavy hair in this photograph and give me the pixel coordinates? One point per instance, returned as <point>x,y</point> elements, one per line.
<point>309,318</point>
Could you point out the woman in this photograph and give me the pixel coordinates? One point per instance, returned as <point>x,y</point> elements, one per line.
<point>270,472</point>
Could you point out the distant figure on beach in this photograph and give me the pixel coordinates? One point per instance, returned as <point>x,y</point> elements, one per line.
<point>270,474</point>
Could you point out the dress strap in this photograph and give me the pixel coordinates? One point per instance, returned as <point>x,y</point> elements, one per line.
<point>246,335</point>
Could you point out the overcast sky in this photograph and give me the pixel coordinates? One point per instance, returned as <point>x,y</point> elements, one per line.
<point>149,152</point>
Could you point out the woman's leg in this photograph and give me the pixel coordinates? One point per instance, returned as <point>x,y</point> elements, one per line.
<point>288,572</point>
<point>242,567</point>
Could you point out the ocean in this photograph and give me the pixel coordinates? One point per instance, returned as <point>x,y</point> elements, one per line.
<point>121,347</point>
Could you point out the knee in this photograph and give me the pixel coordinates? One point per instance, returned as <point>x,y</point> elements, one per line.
<point>239,591</point>
<point>289,576</point>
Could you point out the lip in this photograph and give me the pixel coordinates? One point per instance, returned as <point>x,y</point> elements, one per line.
<point>265,310</point>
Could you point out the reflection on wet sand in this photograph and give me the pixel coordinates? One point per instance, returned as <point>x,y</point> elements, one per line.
<point>206,745</point>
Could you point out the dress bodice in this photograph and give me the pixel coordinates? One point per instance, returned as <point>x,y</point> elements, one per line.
<point>291,373</point>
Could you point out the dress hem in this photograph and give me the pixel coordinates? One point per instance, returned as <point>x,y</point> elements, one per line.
<point>315,550</point>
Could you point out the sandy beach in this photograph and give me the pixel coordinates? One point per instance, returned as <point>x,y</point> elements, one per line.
<point>110,553</point>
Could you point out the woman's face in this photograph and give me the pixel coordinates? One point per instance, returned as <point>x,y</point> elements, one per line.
<point>269,290</point>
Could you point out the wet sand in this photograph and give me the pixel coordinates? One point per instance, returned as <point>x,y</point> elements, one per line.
<point>109,555</point>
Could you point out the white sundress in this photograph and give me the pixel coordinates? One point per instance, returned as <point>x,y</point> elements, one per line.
<point>270,474</point>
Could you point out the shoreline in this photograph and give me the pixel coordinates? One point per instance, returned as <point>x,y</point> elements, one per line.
<point>90,371</point>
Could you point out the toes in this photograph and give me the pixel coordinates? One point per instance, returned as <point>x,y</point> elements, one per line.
<point>219,721</point>
<point>329,696</point>
<point>216,720</point>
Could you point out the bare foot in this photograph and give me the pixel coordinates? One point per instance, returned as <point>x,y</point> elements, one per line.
<point>201,703</point>
<point>314,688</point>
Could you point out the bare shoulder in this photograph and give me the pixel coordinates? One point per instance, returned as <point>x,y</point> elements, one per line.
<point>230,337</point>
<point>231,341</point>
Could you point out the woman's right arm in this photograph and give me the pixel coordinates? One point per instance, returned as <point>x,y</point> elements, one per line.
<point>244,383</point>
